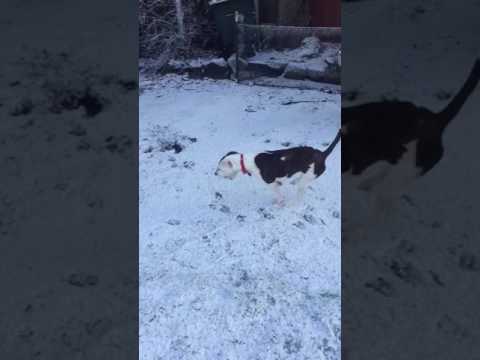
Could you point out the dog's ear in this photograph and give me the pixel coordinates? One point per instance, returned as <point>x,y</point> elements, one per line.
<point>228,154</point>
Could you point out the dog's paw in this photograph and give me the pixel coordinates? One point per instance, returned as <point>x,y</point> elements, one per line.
<point>280,202</point>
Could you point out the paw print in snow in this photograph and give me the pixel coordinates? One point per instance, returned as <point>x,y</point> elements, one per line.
<point>265,214</point>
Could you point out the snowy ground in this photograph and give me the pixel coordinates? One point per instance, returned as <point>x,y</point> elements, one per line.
<point>223,273</point>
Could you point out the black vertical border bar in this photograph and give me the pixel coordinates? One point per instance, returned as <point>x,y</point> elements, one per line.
<point>69,183</point>
<point>411,291</point>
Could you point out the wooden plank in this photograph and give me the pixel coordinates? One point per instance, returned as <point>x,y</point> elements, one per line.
<point>292,36</point>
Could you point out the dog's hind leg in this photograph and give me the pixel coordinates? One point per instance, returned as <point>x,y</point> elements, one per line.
<point>301,187</point>
<point>302,184</point>
<point>279,198</point>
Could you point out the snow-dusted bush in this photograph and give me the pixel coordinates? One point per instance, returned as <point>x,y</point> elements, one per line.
<point>157,27</point>
<point>170,28</point>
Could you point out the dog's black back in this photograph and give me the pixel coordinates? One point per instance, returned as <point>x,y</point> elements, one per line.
<point>287,162</point>
<point>380,131</point>
<point>284,163</point>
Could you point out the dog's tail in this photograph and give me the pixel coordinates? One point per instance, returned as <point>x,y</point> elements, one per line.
<point>456,104</point>
<point>330,147</point>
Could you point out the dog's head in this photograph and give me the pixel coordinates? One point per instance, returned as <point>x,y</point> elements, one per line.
<point>228,166</point>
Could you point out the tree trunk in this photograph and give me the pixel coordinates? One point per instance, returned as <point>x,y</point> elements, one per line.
<point>180,20</point>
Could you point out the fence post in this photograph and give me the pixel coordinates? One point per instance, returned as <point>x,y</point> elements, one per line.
<point>238,31</point>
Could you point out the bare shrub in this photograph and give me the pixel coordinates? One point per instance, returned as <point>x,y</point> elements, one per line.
<point>160,29</point>
<point>157,27</point>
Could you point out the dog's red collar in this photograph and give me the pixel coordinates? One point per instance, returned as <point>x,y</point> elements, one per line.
<point>242,166</point>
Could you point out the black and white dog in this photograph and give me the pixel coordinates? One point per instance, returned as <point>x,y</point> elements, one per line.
<point>297,165</point>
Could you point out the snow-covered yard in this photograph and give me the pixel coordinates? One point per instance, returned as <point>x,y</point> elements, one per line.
<point>224,274</point>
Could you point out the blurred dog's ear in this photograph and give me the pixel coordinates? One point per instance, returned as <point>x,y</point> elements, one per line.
<point>229,163</point>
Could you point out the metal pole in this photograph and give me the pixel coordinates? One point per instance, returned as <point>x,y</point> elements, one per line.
<point>238,21</point>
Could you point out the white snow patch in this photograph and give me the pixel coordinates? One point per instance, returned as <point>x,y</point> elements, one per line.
<point>197,63</point>
<point>311,56</point>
